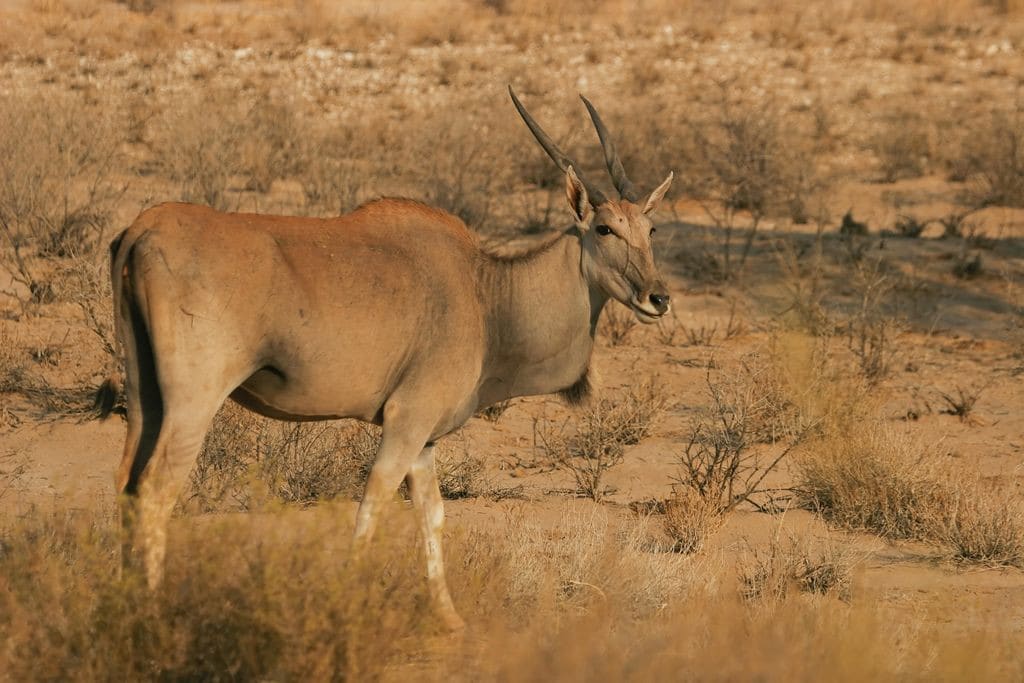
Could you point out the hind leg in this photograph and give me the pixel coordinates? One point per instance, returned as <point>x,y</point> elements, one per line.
<point>160,480</point>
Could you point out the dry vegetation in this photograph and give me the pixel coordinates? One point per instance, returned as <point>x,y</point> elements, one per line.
<point>802,459</point>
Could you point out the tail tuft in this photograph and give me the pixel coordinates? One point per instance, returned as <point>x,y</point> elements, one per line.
<point>109,399</point>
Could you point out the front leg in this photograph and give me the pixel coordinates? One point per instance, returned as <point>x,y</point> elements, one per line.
<point>426,497</point>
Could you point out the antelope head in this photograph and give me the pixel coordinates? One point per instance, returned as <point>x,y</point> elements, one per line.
<point>616,233</point>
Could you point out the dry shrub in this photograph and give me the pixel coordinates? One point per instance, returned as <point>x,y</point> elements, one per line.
<point>459,474</point>
<point>602,431</point>
<point>962,404</point>
<point>748,163</point>
<point>309,462</point>
<point>331,176</point>
<point>223,476</point>
<point>805,285</point>
<point>57,191</point>
<point>875,479</point>
<point>212,136</point>
<point>903,146</point>
<point>84,280</point>
<point>248,461</point>
<point>617,322</point>
<point>453,159</point>
<point>667,328</point>
<point>754,403</point>
<point>13,359</point>
<point>195,144</point>
<point>273,144</point>
<point>872,328</point>
<point>493,412</point>
<point>247,458</point>
<point>314,19</point>
<point>993,158</point>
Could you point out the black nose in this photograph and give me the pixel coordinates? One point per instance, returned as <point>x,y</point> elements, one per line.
<point>660,302</point>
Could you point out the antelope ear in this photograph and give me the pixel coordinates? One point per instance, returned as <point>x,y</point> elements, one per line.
<point>577,196</point>
<point>659,193</point>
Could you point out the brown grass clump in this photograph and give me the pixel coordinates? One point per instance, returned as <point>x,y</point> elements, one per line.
<point>962,403</point>
<point>875,479</point>
<point>690,519</point>
<point>984,525</point>
<point>768,576</point>
<point>589,562</point>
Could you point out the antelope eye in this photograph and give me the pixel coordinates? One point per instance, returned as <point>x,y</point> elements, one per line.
<point>603,230</point>
<point>653,230</point>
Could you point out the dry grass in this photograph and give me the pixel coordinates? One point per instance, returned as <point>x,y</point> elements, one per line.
<point>767,576</point>
<point>748,405</point>
<point>588,596</point>
<point>904,146</point>
<point>617,323</point>
<point>57,188</point>
<point>985,525</point>
<point>877,480</point>
<point>591,443</point>
<point>249,461</point>
<point>213,138</point>
<point>690,519</point>
<point>993,159</point>
<point>255,607</point>
<point>885,482</point>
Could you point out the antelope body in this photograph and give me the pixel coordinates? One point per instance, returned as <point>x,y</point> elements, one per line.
<point>392,314</point>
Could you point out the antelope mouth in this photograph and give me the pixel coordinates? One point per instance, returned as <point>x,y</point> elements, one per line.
<point>646,315</point>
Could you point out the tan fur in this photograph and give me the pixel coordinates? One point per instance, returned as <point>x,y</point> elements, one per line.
<point>392,314</point>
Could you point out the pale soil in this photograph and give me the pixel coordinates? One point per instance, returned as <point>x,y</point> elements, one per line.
<point>959,332</point>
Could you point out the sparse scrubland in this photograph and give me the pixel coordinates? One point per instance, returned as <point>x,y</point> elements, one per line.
<point>812,469</point>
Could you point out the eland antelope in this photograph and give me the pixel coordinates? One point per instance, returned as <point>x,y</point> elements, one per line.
<point>392,314</point>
